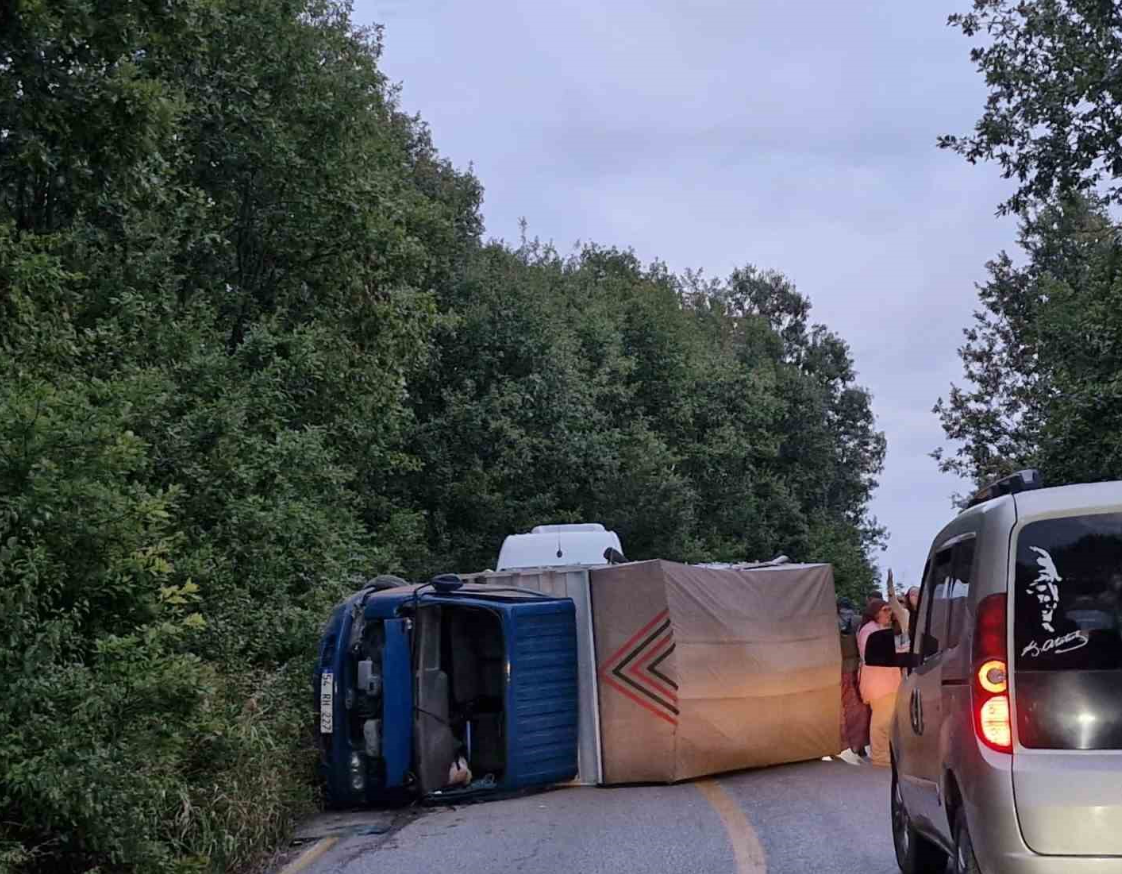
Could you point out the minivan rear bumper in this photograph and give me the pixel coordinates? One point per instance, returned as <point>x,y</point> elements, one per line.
<point>1000,849</point>
<point>1033,864</point>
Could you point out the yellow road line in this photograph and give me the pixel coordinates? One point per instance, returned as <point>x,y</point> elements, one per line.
<point>746,848</point>
<point>309,855</point>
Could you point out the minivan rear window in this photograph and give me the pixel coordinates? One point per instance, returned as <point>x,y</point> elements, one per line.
<point>1068,601</point>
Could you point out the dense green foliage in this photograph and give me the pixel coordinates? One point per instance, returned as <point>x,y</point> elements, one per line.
<point>1054,73</point>
<point>699,421</point>
<point>1044,357</point>
<point>252,346</point>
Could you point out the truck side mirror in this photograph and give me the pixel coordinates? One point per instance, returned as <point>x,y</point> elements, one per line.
<point>880,651</point>
<point>446,583</point>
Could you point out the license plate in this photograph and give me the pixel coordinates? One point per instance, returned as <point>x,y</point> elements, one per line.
<point>326,699</point>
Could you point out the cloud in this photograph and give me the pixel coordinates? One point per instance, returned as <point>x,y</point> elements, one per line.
<point>714,134</point>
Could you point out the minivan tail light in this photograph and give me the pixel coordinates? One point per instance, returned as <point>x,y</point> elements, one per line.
<point>990,629</point>
<point>992,677</point>
<point>990,682</point>
<point>994,721</point>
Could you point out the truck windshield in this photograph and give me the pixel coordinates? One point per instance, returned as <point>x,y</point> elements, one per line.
<point>1068,601</point>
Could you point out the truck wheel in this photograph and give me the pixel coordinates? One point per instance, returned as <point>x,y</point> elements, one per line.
<point>915,854</point>
<point>964,860</point>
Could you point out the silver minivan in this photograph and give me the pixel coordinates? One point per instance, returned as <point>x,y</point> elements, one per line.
<point>1007,738</point>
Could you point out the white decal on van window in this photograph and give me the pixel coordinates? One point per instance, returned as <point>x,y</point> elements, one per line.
<point>1045,589</point>
<point>1065,643</point>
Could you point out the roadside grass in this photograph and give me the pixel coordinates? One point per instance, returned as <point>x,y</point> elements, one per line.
<point>235,818</point>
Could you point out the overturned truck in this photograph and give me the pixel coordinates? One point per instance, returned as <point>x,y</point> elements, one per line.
<point>643,672</point>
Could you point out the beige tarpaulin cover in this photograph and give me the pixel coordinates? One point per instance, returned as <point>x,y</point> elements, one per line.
<point>704,670</point>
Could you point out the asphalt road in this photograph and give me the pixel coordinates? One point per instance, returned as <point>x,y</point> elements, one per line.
<point>819,817</point>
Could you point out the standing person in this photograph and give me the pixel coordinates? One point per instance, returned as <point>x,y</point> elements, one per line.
<point>878,685</point>
<point>854,711</point>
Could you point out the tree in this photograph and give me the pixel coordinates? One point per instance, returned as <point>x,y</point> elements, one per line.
<point>1052,120</point>
<point>828,451</point>
<point>1044,355</point>
<point>85,128</point>
<point>220,245</point>
<point>700,420</point>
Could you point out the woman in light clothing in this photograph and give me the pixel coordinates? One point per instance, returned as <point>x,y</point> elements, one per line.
<point>878,685</point>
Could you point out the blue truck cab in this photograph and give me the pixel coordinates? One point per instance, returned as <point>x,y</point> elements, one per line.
<point>412,680</point>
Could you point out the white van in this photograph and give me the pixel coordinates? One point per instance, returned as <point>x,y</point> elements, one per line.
<point>557,546</point>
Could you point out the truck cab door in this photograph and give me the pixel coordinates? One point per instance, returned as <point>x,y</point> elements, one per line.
<point>541,715</point>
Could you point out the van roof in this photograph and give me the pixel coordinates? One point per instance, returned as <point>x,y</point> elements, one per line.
<point>565,547</point>
<point>570,526</point>
<point>1070,499</point>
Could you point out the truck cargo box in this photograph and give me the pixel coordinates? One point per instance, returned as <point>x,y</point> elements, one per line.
<point>702,671</point>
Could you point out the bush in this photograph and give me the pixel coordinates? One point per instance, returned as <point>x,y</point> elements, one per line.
<point>134,733</point>
<point>162,583</point>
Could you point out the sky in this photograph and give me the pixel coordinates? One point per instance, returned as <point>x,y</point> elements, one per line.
<point>709,134</point>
